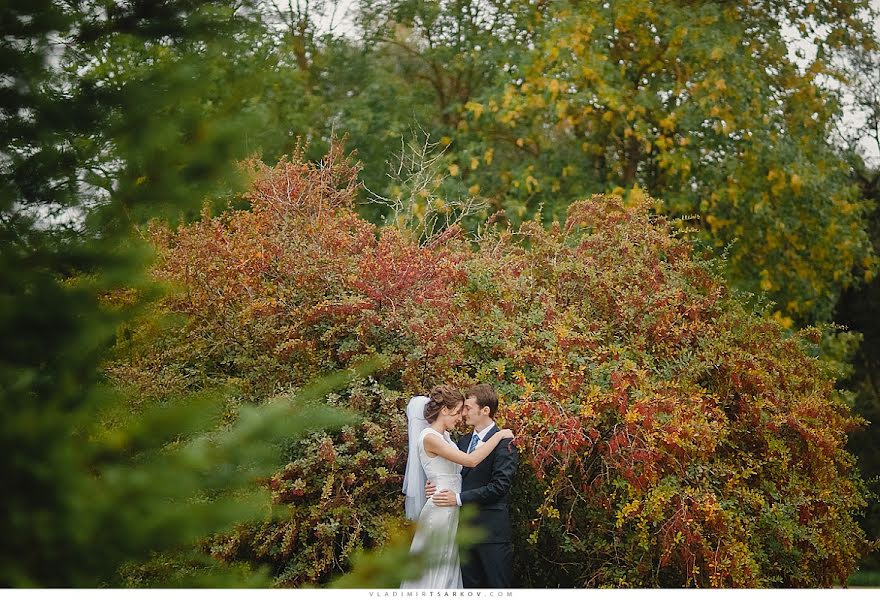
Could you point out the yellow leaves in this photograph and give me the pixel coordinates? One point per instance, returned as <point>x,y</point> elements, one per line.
<point>553,86</point>
<point>844,207</point>
<point>509,94</point>
<point>327,489</point>
<point>446,140</point>
<point>475,108</point>
<point>536,101</point>
<point>488,155</point>
<point>474,189</point>
<point>528,388</point>
<point>668,123</point>
<point>475,163</point>
<point>140,180</point>
<point>626,510</point>
<point>454,170</point>
<point>766,284</point>
<point>717,53</point>
<point>721,85</point>
<point>568,170</point>
<point>589,74</point>
<point>678,35</point>
<point>608,116</point>
<point>777,178</point>
<point>636,196</point>
<point>588,411</point>
<point>509,117</point>
<point>548,510</point>
<point>561,109</point>
<point>532,184</point>
<point>786,322</point>
<point>562,330</point>
<point>520,142</point>
<point>796,184</point>
<point>632,415</point>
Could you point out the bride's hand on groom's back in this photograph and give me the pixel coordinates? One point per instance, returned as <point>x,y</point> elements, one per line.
<point>506,434</point>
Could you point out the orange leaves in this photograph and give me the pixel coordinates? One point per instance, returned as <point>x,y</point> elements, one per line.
<point>657,419</point>
<point>296,187</point>
<point>396,271</point>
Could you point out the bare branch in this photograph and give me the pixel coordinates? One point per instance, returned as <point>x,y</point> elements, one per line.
<point>417,173</point>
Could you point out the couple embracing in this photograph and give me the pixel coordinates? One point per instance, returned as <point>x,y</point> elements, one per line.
<point>442,475</point>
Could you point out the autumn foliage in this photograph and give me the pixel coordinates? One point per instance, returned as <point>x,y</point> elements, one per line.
<point>669,435</point>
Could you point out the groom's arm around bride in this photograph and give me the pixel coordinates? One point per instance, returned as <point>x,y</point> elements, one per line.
<point>490,563</point>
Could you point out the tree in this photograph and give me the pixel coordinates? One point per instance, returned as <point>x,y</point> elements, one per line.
<point>700,104</point>
<point>92,148</point>
<point>857,307</point>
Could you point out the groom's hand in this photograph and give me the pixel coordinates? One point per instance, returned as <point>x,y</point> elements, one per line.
<point>444,498</point>
<point>430,488</point>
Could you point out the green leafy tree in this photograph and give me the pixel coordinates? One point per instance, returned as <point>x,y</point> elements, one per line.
<point>104,125</point>
<point>697,103</point>
<point>858,307</point>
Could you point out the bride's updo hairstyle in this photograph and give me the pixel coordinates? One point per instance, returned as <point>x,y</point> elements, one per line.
<point>442,396</point>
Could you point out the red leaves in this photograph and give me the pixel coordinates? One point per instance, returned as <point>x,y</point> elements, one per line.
<point>395,272</point>
<point>639,390</point>
<point>560,442</point>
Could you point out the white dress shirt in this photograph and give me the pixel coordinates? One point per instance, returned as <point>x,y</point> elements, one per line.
<point>480,435</point>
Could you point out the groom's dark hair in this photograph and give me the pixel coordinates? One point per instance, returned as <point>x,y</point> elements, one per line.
<point>485,395</point>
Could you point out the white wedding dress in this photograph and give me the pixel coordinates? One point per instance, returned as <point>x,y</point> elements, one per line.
<point>438,525</point>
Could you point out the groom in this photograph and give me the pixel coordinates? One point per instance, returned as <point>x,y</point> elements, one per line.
<point>490,563</point>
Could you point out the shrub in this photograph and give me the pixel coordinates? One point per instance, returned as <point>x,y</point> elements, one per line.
<point>670,435</point>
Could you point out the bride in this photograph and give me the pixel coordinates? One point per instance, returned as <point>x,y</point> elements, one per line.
<point>433,455</point>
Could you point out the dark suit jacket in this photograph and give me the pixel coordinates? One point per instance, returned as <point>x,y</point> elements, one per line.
<point>487,485</point>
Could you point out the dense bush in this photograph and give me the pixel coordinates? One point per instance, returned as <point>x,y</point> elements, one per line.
<point>670,435</point>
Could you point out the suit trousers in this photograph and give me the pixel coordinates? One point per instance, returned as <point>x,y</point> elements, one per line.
<point>488,566</point>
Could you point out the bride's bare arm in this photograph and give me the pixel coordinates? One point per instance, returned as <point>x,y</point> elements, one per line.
<point>438,446</point>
